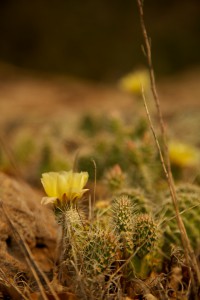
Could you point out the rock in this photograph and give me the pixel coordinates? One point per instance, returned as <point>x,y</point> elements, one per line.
<point>34,222</point>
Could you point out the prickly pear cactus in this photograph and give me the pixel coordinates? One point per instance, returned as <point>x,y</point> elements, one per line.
<point>189,206</point>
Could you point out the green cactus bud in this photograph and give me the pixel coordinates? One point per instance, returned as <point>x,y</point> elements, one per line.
<point>145,234</point>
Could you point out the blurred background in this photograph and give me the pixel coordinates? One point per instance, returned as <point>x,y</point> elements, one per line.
<point>98,40</point>
<point>60,65</point>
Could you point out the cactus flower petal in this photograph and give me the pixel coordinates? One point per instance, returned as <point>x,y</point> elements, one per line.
<point>63,186</point>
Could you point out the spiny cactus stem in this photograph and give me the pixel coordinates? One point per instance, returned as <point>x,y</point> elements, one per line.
<point>61,247</point>
<point>119,270</point>
<point>80,218</point>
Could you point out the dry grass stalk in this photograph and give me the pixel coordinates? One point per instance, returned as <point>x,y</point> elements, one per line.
<point>164,157</point>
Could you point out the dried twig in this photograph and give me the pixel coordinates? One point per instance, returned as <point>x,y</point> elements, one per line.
<point>164,156</point>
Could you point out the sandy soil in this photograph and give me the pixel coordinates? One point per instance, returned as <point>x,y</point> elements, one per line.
<point>32,97</point>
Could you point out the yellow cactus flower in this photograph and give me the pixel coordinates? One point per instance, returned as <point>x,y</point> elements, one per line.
<point>135,81</point>
<point>183,155</point>
<point>63,186</point>
<point>102,204</point>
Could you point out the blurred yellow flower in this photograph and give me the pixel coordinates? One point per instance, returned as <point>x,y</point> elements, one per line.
<point>135,81</point>
<point>102,204</point>
<point>63,186</point>
<point>183,155</point>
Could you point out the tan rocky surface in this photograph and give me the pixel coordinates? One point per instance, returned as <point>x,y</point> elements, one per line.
<point>33,221</point>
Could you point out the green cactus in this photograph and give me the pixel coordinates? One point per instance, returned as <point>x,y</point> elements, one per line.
<point>74,219</point>
<point>188,196</point>
<point>115,178</point>
<point>131,149</point>
<point>123,212</point>
<point>138,198</point>
<point>100,252</point>
<point>145,238</point>
<point>92,125</point>
<point>145,234</point>
<point>71,242</point>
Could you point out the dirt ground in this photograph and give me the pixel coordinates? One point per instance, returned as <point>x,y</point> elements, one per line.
<point>33,98</point>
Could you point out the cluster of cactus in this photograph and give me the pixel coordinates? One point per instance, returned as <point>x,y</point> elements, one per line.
<point>88,254</point>
<point>100,252</point>
<point>138,232</point>
<point>97,253</point>
<point>145,234</point>
<point>130,147</point>
<point>188,196</point>
<point>122,240</point>
<point>137,198</point>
